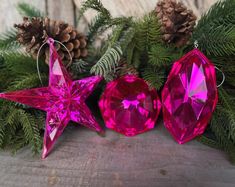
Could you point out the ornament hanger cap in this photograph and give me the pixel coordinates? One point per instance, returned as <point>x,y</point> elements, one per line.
<point>50,41</point>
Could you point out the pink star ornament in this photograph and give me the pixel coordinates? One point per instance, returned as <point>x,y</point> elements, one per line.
<point>63,100</point>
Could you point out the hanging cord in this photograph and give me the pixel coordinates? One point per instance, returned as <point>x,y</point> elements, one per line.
<point>196,45</point>
<point>49,41</point>
<point>222,82</point>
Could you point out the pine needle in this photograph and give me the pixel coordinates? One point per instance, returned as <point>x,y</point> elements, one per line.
<point>108,62</point>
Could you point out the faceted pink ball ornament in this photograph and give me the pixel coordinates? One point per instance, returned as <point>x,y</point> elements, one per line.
<point>128,106</point>
<point>189,96</point>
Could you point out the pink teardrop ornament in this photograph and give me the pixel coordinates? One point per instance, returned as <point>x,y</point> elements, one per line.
<point>189,96</point>
<point>129,106</point>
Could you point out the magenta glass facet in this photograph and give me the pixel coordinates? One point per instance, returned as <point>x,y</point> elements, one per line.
<point>128,106</point>
<point>189,96</point>
<point>63,100</point>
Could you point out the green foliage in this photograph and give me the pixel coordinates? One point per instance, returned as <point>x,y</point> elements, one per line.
<point>222,125</point>
<point>31,130</point>
<point>147,32</point>
<point>228,110</point>
<point>162,56</point>
<point>19,126</point>
<point>8,38</point>
<point>29,10</point>
<point>8,44</point>
<point>97,26</point>
<point>215,31</point>
<point>154,76</point>
<point>102,21</point>
<point>95,5</point>
<point>80,66</point>
<point>107,62</point>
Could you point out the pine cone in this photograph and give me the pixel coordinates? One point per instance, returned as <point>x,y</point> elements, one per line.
<point>35,31</point>
<point>124,69</point>
<point>177,21</point>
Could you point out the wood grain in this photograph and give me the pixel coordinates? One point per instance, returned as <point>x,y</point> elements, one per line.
<point>82,158</point>
<point>61,10</point>
<point>9,15</point>
<point>137,8</point>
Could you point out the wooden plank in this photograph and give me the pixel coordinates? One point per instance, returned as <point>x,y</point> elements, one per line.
<point>62,10</point>
<point>9,15</point>
<point>137,8</point>
<point>82,158</point>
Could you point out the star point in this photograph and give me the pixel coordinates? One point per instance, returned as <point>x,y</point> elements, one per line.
<point>63,100</point>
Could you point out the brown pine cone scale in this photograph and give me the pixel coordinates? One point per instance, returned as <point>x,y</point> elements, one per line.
<point>177,22</point>
<point>32,33</point>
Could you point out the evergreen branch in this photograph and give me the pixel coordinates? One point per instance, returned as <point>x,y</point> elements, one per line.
<point>2,132</point>
<point>107,62</point>
<point>8,44</point>
<point>103,20</point>
<point>218,41</point>
<point>96,26</point>
<point>154,76</point>
<point>228,110</point>
<point>116,34</point>
<point>209,142</point>
<point>159,56</point>
<point>80,66</point>
<point>8,38</point>
<point>31,130</point>
<point>130,53</point>
<point>21,64</point>
<point>221,13</point>
<point>17,142</point>
<point>11,118</point>
<point>27,81</point>
<point>95,5</point>
<point>218,126</point>
<point>28,10</point>
<point>136,59</point>
<point>127,38</point>
<point>147,32</point>
<point>215,31</point>
<point>101,23</point>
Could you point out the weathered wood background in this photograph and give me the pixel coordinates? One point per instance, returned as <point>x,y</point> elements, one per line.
<point>67,9</point>
<point>82,158</point>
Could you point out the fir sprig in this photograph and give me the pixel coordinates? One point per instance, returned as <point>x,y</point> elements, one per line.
<point>19,126</point>
<point>215,31</point>
<point>102,21</point>
<point>154,76</point>
<point>28,10</point>
<point>107,62</point>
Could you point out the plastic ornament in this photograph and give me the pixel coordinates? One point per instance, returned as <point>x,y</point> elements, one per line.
<point>63,100</point>
<point>189,96</point>
<point>129,106</point>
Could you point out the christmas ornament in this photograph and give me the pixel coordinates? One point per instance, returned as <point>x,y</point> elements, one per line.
<point>33,32</point>
<point>128,106</point>
<point>177,21</point>
<point>189,96</point>
<point>63,100</point>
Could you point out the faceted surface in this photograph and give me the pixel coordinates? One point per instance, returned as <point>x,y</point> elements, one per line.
<point>63,100</point>
<point>189,96</point>
<point>128,106</point>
